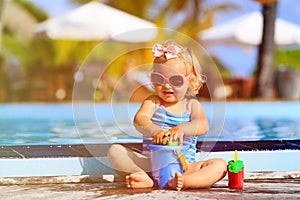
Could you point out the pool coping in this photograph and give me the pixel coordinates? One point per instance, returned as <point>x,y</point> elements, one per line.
<point>100,150</point>
<point>91,160</point>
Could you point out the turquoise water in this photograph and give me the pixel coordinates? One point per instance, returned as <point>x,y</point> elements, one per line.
<point>27,124</point>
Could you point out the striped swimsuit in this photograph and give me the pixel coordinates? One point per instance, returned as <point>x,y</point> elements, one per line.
<point>167,120</point>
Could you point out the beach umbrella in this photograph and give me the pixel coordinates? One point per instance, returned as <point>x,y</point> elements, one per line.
<point>95,21</point>
<point>247,29</point>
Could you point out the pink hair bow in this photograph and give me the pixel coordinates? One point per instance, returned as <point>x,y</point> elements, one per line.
<point>169,52</point>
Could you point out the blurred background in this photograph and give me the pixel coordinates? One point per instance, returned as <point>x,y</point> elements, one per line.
<point>39,61</point>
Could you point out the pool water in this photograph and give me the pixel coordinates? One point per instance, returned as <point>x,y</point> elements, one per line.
<point>29,124</point>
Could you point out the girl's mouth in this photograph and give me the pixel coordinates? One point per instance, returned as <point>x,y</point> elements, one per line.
<point>168,92</point>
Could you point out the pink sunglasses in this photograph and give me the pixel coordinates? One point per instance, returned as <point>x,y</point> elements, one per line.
<point>175,80</point>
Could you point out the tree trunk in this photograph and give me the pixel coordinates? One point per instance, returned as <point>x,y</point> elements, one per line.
<point>266,53</point>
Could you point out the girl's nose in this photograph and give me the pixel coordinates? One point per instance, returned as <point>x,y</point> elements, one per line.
<point>167,85</point>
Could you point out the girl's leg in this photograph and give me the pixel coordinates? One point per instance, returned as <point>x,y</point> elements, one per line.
<point>201,174</point>
<point>130,165</point>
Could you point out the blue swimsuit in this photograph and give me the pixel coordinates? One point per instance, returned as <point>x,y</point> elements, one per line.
<point>167,120</point>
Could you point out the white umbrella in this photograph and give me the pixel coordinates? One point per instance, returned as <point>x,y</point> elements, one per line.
<point>247,29</point>
<point>96,21</point>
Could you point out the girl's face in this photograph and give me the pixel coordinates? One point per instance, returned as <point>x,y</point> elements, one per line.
<point>170,80</point>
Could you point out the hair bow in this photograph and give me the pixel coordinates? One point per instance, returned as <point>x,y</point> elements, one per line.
<point>169,52</point>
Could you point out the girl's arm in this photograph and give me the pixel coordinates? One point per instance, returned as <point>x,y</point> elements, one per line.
<point>142,120</point>
<point>196,127</point>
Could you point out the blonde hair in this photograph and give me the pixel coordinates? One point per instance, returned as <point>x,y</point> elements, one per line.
<point>191,64</point>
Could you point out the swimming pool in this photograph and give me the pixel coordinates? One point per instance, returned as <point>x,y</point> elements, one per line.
<point>38,123</point>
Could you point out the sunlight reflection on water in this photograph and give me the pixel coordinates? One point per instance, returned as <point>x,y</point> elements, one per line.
<point>24,124</point>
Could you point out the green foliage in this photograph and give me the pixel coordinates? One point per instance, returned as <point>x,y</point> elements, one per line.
<point>22,47</point>
<point>194,17</point>
<point>45,55</point>
<point>138,8</point>
<point>80,1</point>
<point>36,12</point>
<point>14,47</point>
<point>288,58</point>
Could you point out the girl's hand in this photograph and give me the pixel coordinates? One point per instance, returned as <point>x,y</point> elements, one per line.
<point>160,138</point>
<point>175,134</point>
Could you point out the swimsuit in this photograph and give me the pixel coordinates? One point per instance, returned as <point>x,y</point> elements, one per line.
<point>167,120</point>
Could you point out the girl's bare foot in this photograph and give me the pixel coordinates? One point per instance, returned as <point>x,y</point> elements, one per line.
<point>176,182</point>
<point>138,180</point>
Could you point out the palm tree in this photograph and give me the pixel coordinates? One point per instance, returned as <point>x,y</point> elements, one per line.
<point>1,24</point>
<point>194,16</point>
<point>190,16</point>
<point>265,70</point>
<point>15,35</point>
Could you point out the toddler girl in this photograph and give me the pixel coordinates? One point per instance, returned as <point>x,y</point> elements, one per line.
<point>170,115</point>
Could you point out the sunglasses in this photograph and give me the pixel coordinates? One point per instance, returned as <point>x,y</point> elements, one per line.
<point>175,80</point>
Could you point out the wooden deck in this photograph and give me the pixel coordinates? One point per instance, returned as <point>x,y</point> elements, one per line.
<point>256,186</point>
<point>259,185</point>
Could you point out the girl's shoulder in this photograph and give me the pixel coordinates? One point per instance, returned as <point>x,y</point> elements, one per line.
<point>154,99</point>
<point>151,103</point>
<point>192,102</point>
